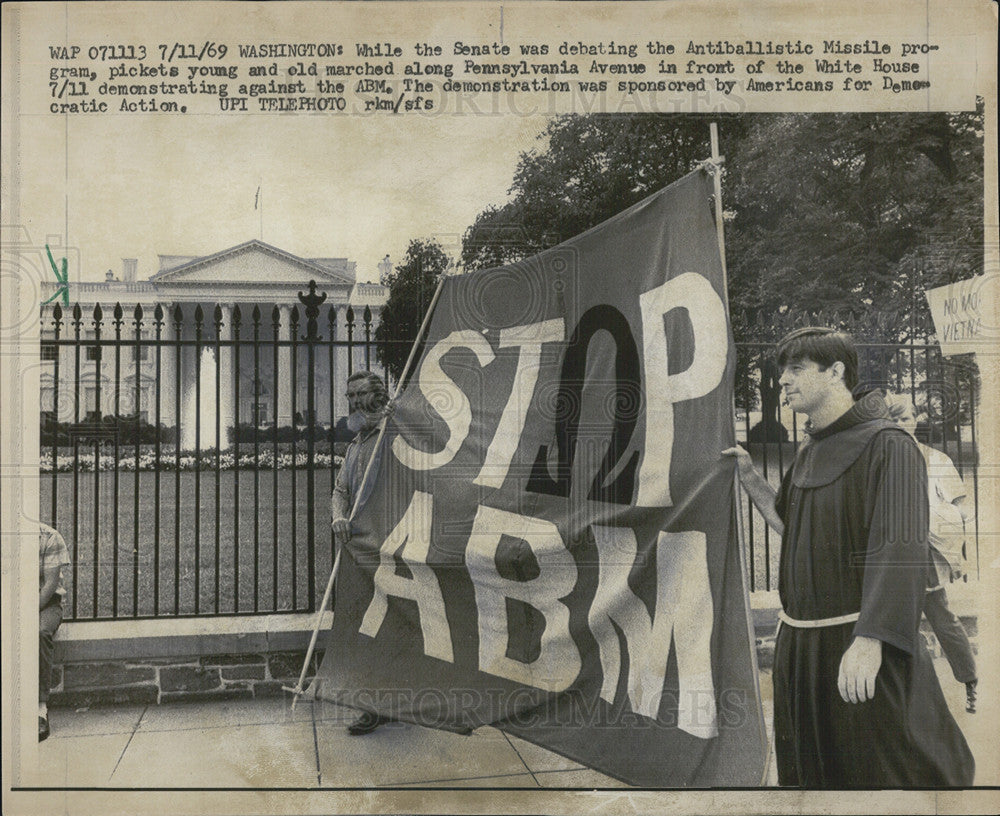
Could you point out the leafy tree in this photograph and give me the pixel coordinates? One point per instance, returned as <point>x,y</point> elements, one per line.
<point>852,214</point>
<point>587,169</point>
<point>845,219</point>
<point>830,218</point>
<point>411,288</point>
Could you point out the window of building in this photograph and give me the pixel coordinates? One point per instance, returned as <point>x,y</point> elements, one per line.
<point>259,413</point>
<point>90,352</point>
<point>141,353</point>
<point>49,352</point>
<point>90,404</point>
<point>126,400</point>
<point>145,403</point>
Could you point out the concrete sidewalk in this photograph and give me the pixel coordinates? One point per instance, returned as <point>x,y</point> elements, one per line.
<point>264,744</point>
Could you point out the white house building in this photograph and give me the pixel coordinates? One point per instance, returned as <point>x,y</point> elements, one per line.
<point>257,382</point>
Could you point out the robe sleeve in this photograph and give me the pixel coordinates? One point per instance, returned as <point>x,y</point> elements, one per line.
<point>781,499</point>
<point>897,556</point>
<point>341,484</point>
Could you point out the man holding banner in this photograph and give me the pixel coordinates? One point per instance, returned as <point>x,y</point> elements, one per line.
<point>366,402</point>
<point>856,700</point>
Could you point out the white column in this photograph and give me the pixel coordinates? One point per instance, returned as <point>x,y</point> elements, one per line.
<point>339,385</point>
<point>190,408</point>
<point>168,370</point>
<point>284,374</point>
<point>226,378</point>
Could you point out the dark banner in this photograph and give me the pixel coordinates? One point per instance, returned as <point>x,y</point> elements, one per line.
<point>549,545</point>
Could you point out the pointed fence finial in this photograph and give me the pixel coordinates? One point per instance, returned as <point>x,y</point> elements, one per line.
<point>312,302</point>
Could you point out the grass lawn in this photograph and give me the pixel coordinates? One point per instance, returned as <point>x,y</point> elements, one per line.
<point>252,531</point>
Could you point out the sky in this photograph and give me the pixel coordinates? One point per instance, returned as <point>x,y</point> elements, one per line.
<point>134,185</point>
<point>360,187</point>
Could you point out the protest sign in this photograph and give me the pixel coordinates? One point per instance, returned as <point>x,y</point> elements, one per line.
<point>549,545</point>
<point>964,314</point>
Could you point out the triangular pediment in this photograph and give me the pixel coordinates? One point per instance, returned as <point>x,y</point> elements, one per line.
<point>252,263</point>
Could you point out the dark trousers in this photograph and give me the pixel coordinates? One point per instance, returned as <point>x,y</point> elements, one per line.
<point>49,619</point>
<point>951,635</point>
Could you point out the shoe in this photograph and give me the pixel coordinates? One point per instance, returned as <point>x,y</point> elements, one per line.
<point>970,696</point>
<point>366,723</point>
<point>43,728</point>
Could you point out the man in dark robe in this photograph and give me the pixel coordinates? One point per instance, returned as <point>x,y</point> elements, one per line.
<point>856,700</point>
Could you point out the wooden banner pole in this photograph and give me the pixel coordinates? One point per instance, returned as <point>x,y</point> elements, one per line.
<point>714,166</point>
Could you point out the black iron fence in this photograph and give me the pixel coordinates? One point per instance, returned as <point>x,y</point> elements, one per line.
<point>188,453</point>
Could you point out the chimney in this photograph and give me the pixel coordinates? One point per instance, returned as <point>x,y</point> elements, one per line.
<point>128,269</point>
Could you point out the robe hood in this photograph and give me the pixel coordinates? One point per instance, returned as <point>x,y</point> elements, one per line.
<point>827,453</point>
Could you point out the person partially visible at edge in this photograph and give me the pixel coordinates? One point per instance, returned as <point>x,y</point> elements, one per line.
<point>856,700</point>
<point>52,557</point>
<point>367,399</point>
<point>946,496</point>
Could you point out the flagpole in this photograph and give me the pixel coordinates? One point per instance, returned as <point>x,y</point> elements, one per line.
<point>714,167</point>
<point>298,690</point>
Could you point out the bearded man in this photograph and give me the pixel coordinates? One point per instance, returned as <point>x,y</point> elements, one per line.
<point>367,399</point>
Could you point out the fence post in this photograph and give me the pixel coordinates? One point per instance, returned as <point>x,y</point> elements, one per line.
<point>350,340</point>
<point>237,319</point>
<point>311,302</point>
<point>258,396</point>
<point>217,320</point>
<point>98,416</point>
<point>178,357</point>
<point>158,326</point>
<point>199,319</point>
<point>293,387</point>
<point>137,446</point>
<point>119,315</point>
<point>75,555</point>
<point>367,315</point>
